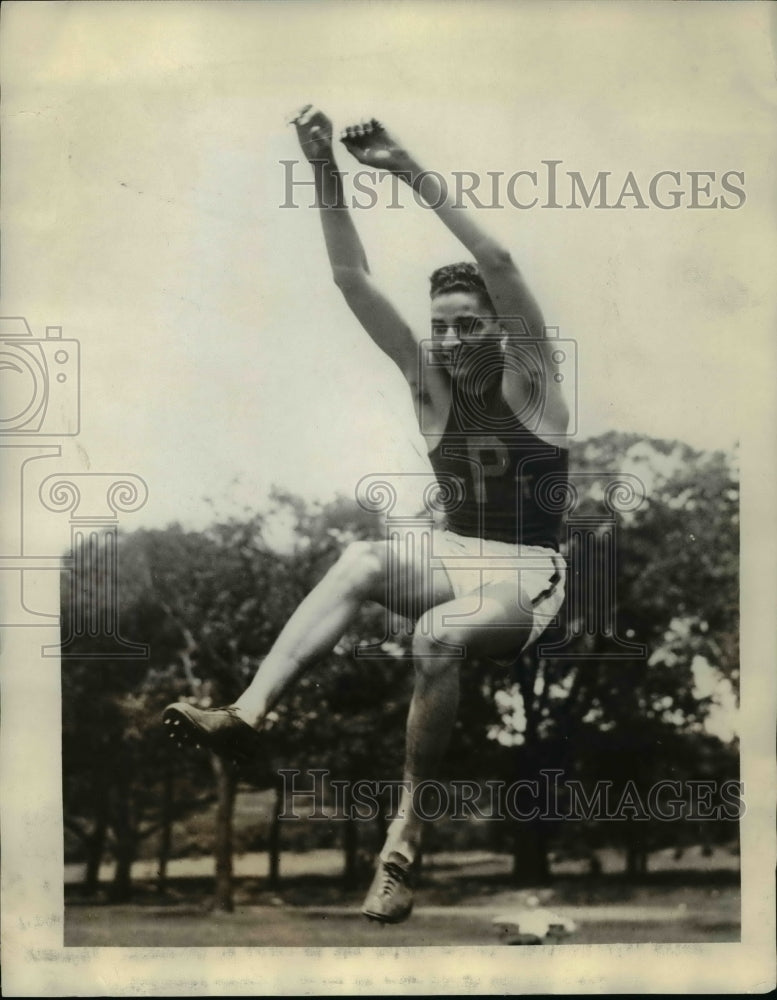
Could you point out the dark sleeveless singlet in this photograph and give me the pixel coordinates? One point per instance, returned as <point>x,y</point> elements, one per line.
<point>497,479</point>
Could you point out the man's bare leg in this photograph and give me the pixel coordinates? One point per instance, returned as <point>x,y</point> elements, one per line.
<point>312,631</point>
<point>430,721</point>
<point>500,626</point>
<point>316,626</point>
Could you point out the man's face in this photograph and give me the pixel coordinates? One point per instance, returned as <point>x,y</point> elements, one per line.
<point>466,329</point>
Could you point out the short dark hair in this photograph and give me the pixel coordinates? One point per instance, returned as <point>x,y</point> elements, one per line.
<point>461,277</point>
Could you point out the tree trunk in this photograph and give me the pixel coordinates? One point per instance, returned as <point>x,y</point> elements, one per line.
<point>594,864</point>
<point>636,854</point>
<point>530,851</point>
<point>274,839</point>
<point>121,888</point>
<point>350,842</point>
<point>226,785</point>
<point>126,842</point>
<point>95,848</point>
<point>636,861</point>
<point>382,820</point>
<point>166,831</point>
<point>530,856</point>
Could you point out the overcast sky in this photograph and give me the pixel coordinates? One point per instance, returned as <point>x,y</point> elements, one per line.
<point>142,191</point>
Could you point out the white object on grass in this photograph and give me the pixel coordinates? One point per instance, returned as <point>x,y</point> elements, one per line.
<point>532,926</point>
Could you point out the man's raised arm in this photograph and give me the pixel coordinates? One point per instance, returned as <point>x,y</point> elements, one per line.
<point>515,306</point>
<point>372,145</point>
<point>344,248</point>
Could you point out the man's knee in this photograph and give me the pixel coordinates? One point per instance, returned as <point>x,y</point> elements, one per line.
<point>435,647</point>
<point>360,567</point>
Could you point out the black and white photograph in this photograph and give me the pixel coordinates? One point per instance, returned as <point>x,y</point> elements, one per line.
<point>388,553</point>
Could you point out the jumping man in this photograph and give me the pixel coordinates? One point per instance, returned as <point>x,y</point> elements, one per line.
<point>495,422</point>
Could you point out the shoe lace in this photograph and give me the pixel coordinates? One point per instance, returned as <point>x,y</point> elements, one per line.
<point>221,710</point>
<point>393,876</point>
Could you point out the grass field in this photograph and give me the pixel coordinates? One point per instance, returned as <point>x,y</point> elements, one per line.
<point>267,926</point>
<point>456,903</point>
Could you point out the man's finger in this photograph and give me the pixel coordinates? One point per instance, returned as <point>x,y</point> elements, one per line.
<point>295,117</point>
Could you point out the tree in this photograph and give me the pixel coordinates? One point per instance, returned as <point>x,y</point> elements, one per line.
<point>116,778</point>
<point>638,719</point>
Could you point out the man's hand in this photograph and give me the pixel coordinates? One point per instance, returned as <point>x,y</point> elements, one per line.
<point>372,145</point>
<point>314,131</point>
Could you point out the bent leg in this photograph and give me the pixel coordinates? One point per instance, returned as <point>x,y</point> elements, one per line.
<point>361,574</point>
<point>496,621</point>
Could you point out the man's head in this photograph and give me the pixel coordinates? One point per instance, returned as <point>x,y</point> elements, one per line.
<point>464,320</point>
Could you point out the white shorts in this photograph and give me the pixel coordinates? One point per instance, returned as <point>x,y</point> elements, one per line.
<point>474,563</point>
